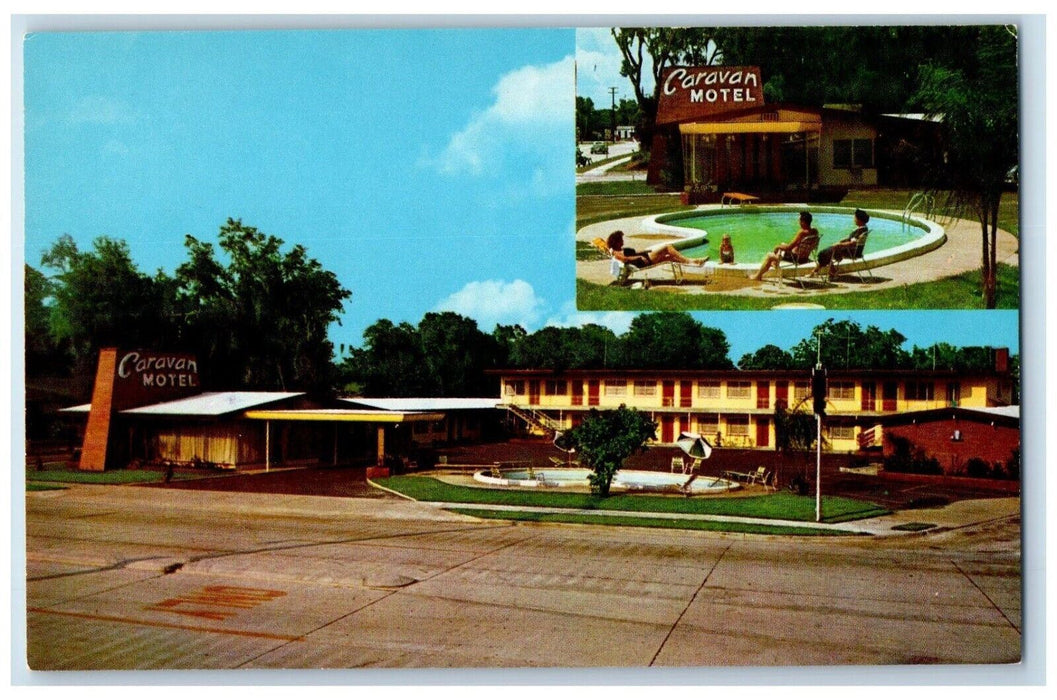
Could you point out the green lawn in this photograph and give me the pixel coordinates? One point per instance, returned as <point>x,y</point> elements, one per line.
<point>617,187</point>
<point>118,476</point>
<point>626,521</point>
<point>779,506</point>
<point>959,292</point>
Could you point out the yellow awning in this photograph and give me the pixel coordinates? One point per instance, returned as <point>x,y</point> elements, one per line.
<point>750,127</point>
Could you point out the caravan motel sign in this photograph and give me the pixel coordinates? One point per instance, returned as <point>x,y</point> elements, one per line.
<point>693,93</point>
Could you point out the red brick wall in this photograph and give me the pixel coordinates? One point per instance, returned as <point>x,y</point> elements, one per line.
<point>990,443</point>
<point>97,434</point>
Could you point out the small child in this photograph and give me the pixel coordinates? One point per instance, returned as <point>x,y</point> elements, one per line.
<point>726,250</point>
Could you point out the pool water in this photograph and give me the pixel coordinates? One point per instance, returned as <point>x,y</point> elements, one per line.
<point>630,479</point>
<point>754,234</point>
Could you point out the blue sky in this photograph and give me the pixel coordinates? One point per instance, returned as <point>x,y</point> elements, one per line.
<point>429,169</point>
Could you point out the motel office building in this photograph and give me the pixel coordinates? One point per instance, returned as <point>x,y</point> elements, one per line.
<point>735,408</point>
<point>729,139</point>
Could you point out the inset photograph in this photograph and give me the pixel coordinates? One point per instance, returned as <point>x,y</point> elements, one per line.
<point>822,167</point>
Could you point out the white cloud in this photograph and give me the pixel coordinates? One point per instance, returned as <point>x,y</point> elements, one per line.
<point>569,316</point>
<point>496,301</point>
<point>526,125</point>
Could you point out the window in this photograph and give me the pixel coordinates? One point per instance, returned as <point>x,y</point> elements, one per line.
<point>645,388</point>
<point>842,432</point>
<point>708,390</point>
<point>555,387</point>
<point>616,387</point>
<point>801,390</point>
<point>708,424</point>
<point>919,391</point>
<point>515,387</point>
<point>852,153</point>
<point>842,390</point>
<point>738,425</point>
<point>739,390</point>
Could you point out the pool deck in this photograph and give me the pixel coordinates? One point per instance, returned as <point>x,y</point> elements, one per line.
<point>958,255</point>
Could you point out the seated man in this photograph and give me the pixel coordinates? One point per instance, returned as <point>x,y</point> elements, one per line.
<point>785,251</point>
<point>844,248</point>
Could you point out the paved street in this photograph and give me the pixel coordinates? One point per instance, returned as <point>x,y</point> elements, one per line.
<point>147,578</point>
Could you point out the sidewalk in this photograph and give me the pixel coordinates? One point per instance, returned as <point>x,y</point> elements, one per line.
<point>954,516</point>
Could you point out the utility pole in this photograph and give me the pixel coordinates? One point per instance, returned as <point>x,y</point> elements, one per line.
<point>818,397</point>
<point>613,112</point>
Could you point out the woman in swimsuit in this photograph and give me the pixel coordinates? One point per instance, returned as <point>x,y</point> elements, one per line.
<point>645,258</point>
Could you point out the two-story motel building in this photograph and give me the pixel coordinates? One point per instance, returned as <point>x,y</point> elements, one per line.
<point>735,408</point>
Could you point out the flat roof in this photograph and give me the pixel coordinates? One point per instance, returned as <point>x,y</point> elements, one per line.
<point>216,403</point>
<point>425,403</point>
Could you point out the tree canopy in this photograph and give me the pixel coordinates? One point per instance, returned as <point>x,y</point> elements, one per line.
<point>257,318</point>
<point>606,438</point>
<point>978,103</point>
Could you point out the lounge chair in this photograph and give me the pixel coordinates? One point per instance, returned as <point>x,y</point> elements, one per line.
<point>802,263</point>
<point>624,273</point>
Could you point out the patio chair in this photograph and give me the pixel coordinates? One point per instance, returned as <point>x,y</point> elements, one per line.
<point>801,262</point>
<point>857,255</point>
<point>623,272</point>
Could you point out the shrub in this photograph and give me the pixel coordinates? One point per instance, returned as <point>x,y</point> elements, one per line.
<point>907,458</point>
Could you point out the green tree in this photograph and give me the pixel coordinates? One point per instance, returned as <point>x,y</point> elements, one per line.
<point>979,106</point>
<point>44,355</point>
<point>100,298</point>
<point>647,52</point>
<point>260,321</point>
<point>673,339</point>
<point>845,345</point>
<point>391,362</point>
<point>767,357</point>
<point>457,355</point>
<point>606,438</point>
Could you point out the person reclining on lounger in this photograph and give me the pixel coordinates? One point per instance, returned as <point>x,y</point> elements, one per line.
<point>785,251</point>
<point>844,248</point>
<point>645,258</point>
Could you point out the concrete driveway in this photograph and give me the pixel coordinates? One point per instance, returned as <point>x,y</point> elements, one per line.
<point>138,578</point>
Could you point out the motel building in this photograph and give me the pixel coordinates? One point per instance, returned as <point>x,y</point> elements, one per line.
<point>735,408</point>
<point>148,407</point>
<point>730,140</point>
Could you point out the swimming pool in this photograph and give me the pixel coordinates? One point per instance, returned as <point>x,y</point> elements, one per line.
<point>756,230</point>
<point>625,480</point>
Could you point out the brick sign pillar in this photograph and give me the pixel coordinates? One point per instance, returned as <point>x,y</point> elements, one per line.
<point>97,434</point>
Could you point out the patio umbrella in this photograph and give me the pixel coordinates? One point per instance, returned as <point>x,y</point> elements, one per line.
<point>694,445</point>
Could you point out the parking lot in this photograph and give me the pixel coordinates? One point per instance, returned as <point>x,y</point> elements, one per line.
<point>155,578</point>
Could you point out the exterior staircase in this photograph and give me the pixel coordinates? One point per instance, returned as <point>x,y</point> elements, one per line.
<point>537,421</point>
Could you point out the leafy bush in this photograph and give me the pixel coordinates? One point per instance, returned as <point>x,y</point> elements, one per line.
<point>908,458</point>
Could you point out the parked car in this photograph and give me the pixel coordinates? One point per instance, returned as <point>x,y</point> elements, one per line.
<point>600,148</point>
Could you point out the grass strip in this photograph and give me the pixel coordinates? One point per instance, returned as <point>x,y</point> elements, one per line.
<point>671,524</point>
<point>115,477</point>
<point>30,486</point>
<point>774,506</point>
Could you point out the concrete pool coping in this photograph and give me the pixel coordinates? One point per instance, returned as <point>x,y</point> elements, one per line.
<point>958,253</point>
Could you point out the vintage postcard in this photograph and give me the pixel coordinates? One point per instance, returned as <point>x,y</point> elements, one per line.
<point>316,376</point>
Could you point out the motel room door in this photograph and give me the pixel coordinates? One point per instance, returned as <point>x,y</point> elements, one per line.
<point>668,394</point>
<point>592,392</point>
<point>763,432</point>
<point>667,429</point>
